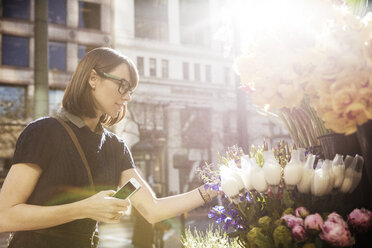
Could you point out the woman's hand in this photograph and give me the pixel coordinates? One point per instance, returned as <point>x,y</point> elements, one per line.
<point>103,207</point>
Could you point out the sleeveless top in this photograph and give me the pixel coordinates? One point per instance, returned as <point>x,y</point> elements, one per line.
<point>64,179</point>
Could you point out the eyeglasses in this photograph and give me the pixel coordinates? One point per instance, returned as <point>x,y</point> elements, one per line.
<point>124,85</point>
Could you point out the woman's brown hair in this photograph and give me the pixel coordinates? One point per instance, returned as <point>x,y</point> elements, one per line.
<point>78,99</point>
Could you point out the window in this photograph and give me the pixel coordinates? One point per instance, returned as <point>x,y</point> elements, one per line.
<point>227,75</point>
<point>151,19</point>
<point>194,22</point>
<point>84,49</point>
<point>57,11</point>
<point>164,68</point>
<point>16,9</point>
<point>140,66</point>
<point>12,102</point>
<point>89,15</point>
<point>55,100</point>
<point>185,69</point>
<point>57,56</point>
<point>153,67</point>
<point>197,72</point>
<point>14,50</point>
<point>208,73</point>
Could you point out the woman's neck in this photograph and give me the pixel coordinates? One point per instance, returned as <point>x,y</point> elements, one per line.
<point>91,122</point>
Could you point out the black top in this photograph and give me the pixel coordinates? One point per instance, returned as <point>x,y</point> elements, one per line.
<point>45,142</point>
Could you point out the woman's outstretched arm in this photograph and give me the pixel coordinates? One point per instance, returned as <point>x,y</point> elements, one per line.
<point>156,209</point>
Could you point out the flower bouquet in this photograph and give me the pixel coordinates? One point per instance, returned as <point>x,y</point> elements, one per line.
<point>316,75</point>
<point>262,189</point>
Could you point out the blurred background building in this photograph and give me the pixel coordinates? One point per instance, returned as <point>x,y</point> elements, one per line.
<point>185,108</point>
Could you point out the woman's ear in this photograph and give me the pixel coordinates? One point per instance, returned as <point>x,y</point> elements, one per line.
<point>93,79</point>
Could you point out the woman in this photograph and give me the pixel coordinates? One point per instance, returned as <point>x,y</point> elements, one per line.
<point>46,199</point>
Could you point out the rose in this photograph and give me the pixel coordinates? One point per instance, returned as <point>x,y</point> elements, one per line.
<point>298,233</point>
<point>360,219</point>
<point>301,212</point>
<point>313,223</point>
<point>292,220</point>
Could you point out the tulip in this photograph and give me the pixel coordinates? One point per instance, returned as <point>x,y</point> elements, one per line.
<point>336,232</point>
<point>299,233</point>
<point>349,175</point>
<point>357,166</point>
<point>272,170</point>
<point>313,222</point>
<point>292,220</point>
<point>301,212</point>
<point>229,186</point>
<point>338,168</point>
<point>231,183</point>
<point>293,170</point>
<point>328,167</point>
<point>319,185</point>
<point>360,219</point>
<point>258,178</point>
<point>304,185</point>
<point>245,172</point>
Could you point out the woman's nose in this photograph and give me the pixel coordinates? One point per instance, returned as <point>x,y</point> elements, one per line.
<point>127,97</point>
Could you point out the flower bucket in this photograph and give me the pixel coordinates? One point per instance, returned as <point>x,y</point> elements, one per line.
<point>335,143</point>
<point>364,134</point>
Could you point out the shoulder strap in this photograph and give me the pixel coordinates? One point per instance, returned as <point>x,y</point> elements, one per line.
<point>78,147</point>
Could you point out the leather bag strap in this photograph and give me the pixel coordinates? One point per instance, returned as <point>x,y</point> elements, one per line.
<point>78,147</point>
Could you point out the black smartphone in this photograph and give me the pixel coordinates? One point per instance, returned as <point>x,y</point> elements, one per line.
<point>128,189</point>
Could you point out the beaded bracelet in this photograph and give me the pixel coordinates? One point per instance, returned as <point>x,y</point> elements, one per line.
<point>204,194</point>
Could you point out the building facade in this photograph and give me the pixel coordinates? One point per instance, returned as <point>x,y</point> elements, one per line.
<point>184,110</point>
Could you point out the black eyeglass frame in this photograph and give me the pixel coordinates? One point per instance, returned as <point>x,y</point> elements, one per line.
<point>124,85</point>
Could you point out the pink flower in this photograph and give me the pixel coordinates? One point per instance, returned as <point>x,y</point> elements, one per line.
<point>301,212</point>
<point>360,219</point>
<point>313,222</point>
<point>298,233</point>
<point>336,232</point>
<point>292,220</point>
<point>336,218</point>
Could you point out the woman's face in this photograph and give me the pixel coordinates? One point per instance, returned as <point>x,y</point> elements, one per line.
<point>105,90</point>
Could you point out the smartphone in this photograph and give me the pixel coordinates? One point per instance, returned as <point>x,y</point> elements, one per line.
<point>128,189</point>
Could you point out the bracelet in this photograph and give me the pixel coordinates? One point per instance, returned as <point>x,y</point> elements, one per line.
<point>204,194</point>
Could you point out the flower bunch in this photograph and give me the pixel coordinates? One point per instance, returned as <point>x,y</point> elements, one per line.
<point>260,194</point>
<point>340,88</point>
<point>306,227</point>
<point>315,70</point>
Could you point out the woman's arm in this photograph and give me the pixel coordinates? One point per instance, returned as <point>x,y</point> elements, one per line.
<point>157,209</point>
<point>16,215</point>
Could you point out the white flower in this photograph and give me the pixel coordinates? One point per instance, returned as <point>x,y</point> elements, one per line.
<point>231,182</point>
<point>327,165</point>
<point>349,175</point>
<point>258,178</point>
<point>338,168</point>
<point>357,171</point>
<point>245,172</point>
<point>272,169</point>
<point>304,185</point>
<point>293,170</point>
<point>320,182</point>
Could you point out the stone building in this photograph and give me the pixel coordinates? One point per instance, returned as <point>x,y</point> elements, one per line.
<point>185,108</point>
